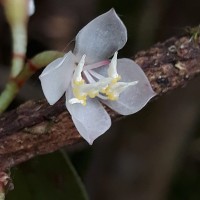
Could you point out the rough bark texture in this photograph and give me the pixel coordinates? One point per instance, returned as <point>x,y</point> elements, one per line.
<point>36,128</point>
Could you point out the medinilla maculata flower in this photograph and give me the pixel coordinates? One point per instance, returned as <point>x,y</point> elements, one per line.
<point>88,77</point>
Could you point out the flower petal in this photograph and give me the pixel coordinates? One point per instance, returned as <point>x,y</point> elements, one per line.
<point>56,77</point>
<point>91,120</point>
<point>101,38</point>
<point>134,97</point>
<point>31,7</point>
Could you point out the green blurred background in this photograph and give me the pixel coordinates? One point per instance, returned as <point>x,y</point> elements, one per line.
<point>152,155</point>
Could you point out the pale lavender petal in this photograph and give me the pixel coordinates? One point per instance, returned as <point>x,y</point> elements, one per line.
<point>101,38</point>
<point>31,7</point>
<point>135,97</point>
<point>91,120</point>
<point>56,77</point>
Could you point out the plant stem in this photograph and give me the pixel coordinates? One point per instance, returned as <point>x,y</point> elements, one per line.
<point>19,36</point>
<point>13,86</point>
<point>8,95</point>
<point>2,195</point>
<point>74,173</point>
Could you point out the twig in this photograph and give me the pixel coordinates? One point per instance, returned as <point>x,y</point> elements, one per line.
<point>36,128</point>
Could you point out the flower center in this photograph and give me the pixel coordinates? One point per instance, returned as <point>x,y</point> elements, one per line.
<point>107,88</point>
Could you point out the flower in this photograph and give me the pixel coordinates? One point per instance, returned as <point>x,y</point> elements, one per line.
<point>87,76</point>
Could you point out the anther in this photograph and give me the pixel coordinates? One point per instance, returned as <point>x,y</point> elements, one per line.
<point>77,77</point>
<point>75,100</point>
<point>112,69</point>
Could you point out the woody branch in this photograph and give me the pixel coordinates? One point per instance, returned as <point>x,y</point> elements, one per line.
<point>36,128</point>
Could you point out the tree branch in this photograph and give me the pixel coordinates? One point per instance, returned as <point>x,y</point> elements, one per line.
<point>36,128</point>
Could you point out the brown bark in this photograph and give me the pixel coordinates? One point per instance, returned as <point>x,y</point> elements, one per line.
<point>36,128</point>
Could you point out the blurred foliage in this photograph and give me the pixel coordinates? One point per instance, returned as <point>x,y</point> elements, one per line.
<point>186,182</point>
<point>47,177</point>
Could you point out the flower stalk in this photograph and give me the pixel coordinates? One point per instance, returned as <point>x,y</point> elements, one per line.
<point>17,13</point>
<point>2,195</point>
<point>19,36</point>
<point>14,84</point>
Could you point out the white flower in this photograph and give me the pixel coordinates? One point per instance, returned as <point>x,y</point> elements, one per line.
<point>86,76</point>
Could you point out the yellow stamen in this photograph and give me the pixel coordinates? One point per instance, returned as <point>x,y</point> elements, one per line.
<point>93,94</point>
<point>115,80</point>
<point>112,96</point>
<point>106,88</point>
<point>81,82</point>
